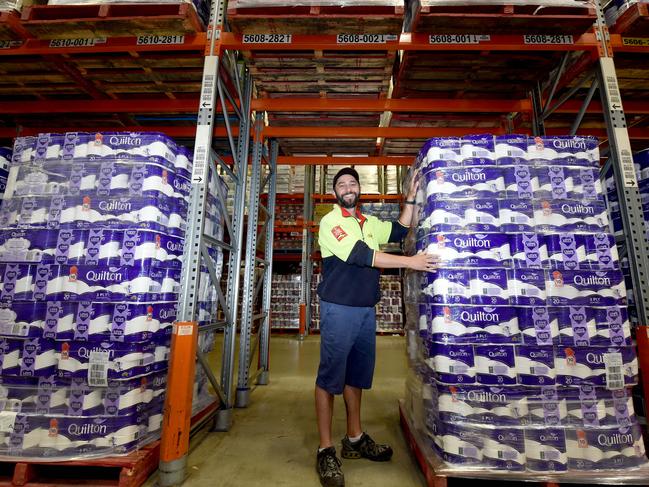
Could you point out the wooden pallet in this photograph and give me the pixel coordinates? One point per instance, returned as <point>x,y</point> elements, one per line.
<point>128,471</point>
<point>316,19</point>
<point>634,21</point>
<point>110,20</point>
<point>429,16</point>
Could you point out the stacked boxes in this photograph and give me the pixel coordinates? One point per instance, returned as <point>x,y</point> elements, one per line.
<point>285,296</point>
<point>5,159</point>
<point>389,311</point>
<point>524,344</point>
<point>91,244</point>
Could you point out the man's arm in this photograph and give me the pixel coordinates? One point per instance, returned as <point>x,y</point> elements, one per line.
<point>409,204</point>
<point>417,262</point>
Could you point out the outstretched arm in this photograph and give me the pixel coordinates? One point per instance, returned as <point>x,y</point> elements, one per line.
<point>417,262</point>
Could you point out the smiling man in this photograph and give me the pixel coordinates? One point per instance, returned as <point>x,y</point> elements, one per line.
<point>349,291</point>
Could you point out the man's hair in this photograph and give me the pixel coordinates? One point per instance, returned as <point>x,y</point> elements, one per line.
<point>346,170</point>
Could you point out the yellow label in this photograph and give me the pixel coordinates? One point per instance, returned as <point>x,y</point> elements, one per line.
<point>635,41</point>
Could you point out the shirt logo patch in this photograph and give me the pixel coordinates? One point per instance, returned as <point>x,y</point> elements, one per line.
<point>338,233</point>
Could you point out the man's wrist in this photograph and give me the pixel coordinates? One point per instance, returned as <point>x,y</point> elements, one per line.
<point>410,202</point>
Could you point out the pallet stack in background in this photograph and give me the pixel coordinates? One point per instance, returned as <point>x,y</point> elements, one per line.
<point>520,344</point>
<point>91,245</point>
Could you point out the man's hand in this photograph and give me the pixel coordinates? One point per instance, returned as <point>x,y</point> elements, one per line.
<point>424,262</point>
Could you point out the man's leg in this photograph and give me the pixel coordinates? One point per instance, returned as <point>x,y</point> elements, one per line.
<point>352,396</point>
<point>324,409</point>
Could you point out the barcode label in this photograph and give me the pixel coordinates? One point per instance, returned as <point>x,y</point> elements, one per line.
<point>458,369</point>
<point>98,368</point>
<point>498,369</point>
<point>549,455</point>
<point>539,370</point>
<point>614,374</point>
<point>468,451</point>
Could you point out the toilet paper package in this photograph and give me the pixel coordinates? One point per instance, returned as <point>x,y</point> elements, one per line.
<point>445,215</point>
<point>503,448</point>
<point>451,286</point>
<point>482,215</point>
<point>546,406</point>
<point>613,367</point>
<point>461,444</point>
<point>537,326</point>
<point>528,251</point>
<point>511,149</point>
<point>119,322</point>
<point>22,319</point>
<point>38,149</point>
<point>564,151</point>
<point>585,288</point>
<point>52,178</point>
<point>464,250</point>
<point>567,251</point>
<point>545,450</point>
<point>478,150</point>
<point>570,216</point>
<point>31,357</point>
<point>16,282</point>
<point>183,162</point>
<point>463,182</point>
<point>521,182</point>
<point>601,251</point>
<point>517,215</point>
<point>568,182</point>
<point>100,361</point>
<point>472,324</point>
<point>452,364</point>
<point>526,287</point>
<point>493,405</point>
<point>586,326</point>
<point>489,287</point>
<point>594,407</point>
<point>605,448</point>
<point>495,364</point>
<point>535,365</point>
<point>441,152</point>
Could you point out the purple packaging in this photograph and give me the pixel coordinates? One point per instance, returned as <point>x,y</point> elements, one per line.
<point>473,324</point>
<point>535,365</point>
<point>612,326</point>
<point>133,247</point>
<point>585,288</point>
<point>570,216</point>
<point>482,215</point>
<point>32,357</point>
<point>474,250</point>
<point>489,287</point>
<point>132,146</point>
<point>134,180</point>
<point>16,282</point>
<point>555,182</point>
<point>441,150</point>
<point>52,178</point>
<point>462,444</point>
<point>605,448</point>
<point>576,326</point>
<point>564,150</point>
<point>445,215</point>
<point>511,149</point>
<point>10,351</point>
<point>587,326</point>
<point>498,406</point>
<point>100,361</point>
<point>22,319</point>
<point>183,162</point>
<point>517,215</point>
<point>495,364</point>
<point>451,286</point>
<point>567,251</point>
<point>594,407</point>
<point>545,450</point>
<point>587,184</point>
<point>452,364</point>
<point>478,150</point>
<point>537,326</point>
<point>528,250</point>
<point>526,287</point>
<point>521,181</point>
<point>504,448</point>
<point>601,251</point>
<point>588,365</point>
<point>182,187</point>
<point>462,182</point>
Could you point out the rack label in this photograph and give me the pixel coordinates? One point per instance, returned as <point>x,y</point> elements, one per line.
<point>267,38</point>
<point>10,44</point>
<point>364,38</point>
<point>159,40</point>
<point>458,38</point>
<point>635,41</point>
<point>201,154</point>
<point>554,39</point>
<point>78,42</point>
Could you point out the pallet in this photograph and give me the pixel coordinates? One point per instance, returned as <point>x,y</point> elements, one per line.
<point>10,28</point>
<point>316,19</point>
<point>634,21</point>
<point>454,18</point>
<point>128,471</point>
<point>110,20</point>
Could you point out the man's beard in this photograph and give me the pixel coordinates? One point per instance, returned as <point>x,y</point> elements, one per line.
<point>347,205</point>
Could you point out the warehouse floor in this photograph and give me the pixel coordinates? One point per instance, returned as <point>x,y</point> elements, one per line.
<point>273,442</point>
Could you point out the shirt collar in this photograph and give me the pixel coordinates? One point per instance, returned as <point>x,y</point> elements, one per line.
<point>344,212</point>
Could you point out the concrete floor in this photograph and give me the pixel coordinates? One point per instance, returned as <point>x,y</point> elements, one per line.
<point>273,442</point>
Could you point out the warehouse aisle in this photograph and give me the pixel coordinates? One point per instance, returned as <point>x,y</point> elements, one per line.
<point>273,442</point>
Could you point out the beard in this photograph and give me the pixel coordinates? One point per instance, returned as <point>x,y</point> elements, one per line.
<point>348,205</point>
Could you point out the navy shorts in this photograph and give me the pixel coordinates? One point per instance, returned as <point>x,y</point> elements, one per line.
<point>347,347</point>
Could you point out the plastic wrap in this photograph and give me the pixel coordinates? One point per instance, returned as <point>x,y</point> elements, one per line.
<point>520,343</point>
<point>539,3</point>
<point>9,5</point>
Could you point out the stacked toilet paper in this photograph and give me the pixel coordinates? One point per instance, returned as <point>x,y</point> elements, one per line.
<point>524,341</point>
<point>91,246</point>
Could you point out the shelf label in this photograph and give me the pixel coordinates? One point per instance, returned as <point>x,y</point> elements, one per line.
<point>364,38</point>
<point>267,38</point>
<point>635,41</point>
<point>10,44</point>
<point>554,39</point>
<point>159,40</point>
<point>458,38</point>
<point>78,42</point>
<point>201,154</point>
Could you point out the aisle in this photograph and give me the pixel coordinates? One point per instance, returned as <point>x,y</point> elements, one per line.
<point>273,442</point>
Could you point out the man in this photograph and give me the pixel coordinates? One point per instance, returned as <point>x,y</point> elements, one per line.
<point>349,290</point>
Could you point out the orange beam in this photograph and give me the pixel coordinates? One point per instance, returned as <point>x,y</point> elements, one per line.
<point>184,132</point>
<point>343,161</point>
<point>404,105</point>
<point>368,132</point>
